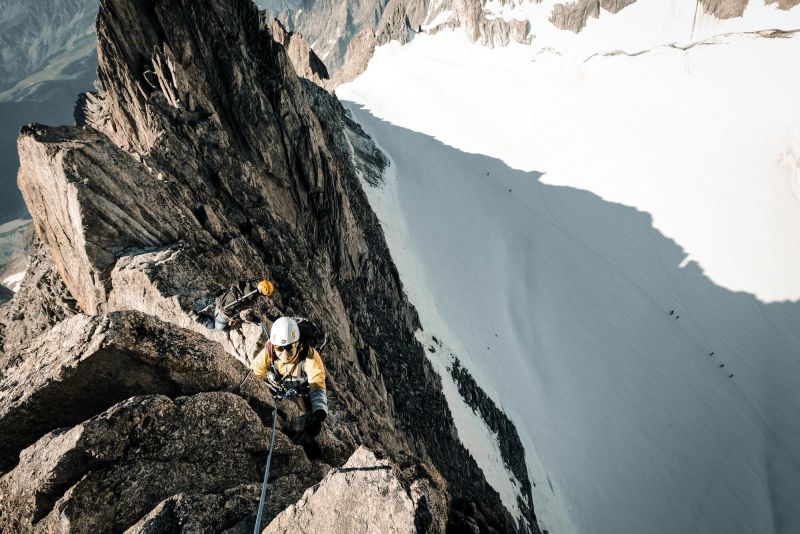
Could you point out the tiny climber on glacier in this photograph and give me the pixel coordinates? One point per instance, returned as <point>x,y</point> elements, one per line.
<point>291,365</point>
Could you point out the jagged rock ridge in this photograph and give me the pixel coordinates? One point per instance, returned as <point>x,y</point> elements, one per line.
<point>202,160</point>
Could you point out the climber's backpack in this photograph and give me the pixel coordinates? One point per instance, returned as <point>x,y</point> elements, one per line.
<point>310,334</point>
<point>231,295</point>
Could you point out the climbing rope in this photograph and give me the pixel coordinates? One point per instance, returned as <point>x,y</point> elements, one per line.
<point>260,514</point>
<point>279,393</point>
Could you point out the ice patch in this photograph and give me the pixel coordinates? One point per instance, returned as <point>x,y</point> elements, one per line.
<point>14,281</point>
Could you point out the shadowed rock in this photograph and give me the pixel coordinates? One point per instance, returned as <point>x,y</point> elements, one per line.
<point>104,474</point>
<point>88,363</point>
<point>229,511</point>
<point>41,302</point>
<point>5,294</point>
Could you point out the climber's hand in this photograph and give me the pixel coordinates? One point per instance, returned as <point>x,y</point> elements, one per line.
<point>320,415</point>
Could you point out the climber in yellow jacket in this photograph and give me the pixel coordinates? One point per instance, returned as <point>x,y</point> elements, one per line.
<point>285,363</point>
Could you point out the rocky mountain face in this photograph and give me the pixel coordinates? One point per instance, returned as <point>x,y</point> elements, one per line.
<point>305,61</point>
<point>345,34</point>
<point>329,25</point>
<point>47,55</point>
<point>574,15</point>
<point>204,159</point>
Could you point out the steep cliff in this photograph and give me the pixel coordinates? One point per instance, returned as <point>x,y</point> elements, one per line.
<point>203,159</point>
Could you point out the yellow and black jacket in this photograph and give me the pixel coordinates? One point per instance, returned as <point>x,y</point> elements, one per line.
<point>304,368</point>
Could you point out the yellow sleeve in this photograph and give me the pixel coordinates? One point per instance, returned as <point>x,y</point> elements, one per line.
<point>261,363</point>
<point>315,370</point>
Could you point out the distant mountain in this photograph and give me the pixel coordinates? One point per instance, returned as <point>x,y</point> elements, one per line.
<point>331,26</point>
<point>42,40</point>
<point>47,56</point>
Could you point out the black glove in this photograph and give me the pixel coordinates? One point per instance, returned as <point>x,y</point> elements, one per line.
<point>314,421</point>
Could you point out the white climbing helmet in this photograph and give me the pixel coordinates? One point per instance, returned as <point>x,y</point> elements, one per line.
<point>284,331</point>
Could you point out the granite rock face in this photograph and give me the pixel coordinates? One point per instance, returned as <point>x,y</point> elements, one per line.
<point>337,503</point>
<point>305,62</point>
<point>121,463</point>
<point>203,159</point>
<point>41,302</point>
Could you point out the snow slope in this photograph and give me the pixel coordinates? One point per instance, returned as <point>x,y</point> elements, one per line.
<point>547,214</point>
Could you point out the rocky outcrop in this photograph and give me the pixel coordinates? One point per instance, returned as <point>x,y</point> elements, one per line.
<point>401,20</point>
<point>347,139</point>
<point>86,364</point>
<point>337,503</point>
<point>202,160</point>
<point>511,450</point>
<point>330,25</point>
<point>41,302</point>
<point>573,16</point>
<point>207,512</point>
<point>64,179</point>
<point>482,28</point>
<point>306,63</point>
<point>105,473</point>
<point>615,6</point>
<point>724,9</point>
<point>356,59</point>
<point>786,5</point>
<point>394,24</point>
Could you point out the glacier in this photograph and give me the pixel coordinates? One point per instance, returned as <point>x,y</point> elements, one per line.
<point>608,244</point>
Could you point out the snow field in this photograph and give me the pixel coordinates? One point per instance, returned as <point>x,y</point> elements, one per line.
<point>547,214</point>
